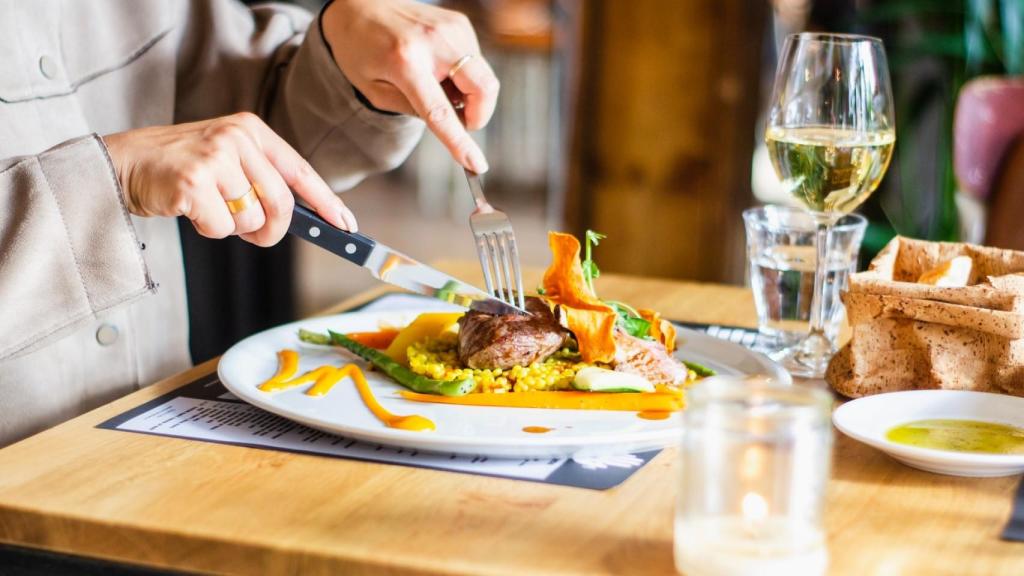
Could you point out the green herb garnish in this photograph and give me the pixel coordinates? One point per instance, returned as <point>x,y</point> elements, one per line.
<point>590,269</point>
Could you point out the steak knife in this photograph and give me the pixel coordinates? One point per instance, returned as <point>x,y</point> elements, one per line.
<point>392,266</point>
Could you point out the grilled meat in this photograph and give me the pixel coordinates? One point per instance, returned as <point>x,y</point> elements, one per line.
<point>492,341</point>
<point>647,358</point>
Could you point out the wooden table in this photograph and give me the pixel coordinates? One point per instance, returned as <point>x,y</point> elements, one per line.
<point>198,506</point>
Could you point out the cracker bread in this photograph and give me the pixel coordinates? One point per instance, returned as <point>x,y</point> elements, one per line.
<point>908,336</point>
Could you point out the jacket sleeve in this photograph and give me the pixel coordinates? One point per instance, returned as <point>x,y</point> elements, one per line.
<point>273,60</point>
<point>68,249</point>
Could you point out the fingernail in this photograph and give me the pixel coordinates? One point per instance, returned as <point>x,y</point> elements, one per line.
<point>350,219</point>
<point>477,162</point>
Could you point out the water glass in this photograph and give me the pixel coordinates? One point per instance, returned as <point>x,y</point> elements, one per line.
<point>755,463</point>
<point>782,256</point>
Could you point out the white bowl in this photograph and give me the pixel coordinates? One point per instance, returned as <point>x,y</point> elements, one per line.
<point>868,419</point>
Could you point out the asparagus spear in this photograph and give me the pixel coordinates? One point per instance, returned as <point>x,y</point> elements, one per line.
<point>702,371</point>
<point>399,373</point>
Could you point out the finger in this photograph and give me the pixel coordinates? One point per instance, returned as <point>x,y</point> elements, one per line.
<point>299,175</point>
<point>273,194</point>
<point>208,211</point>
<point>431,104</point>
<point>240,198</point>
<point>479,87</point>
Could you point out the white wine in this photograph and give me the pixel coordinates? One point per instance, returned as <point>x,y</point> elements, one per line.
<point>830,170</point>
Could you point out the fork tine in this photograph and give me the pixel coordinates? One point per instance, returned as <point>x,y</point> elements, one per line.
<point>481,251</point>
<point>506,268</point>
<point>516,270</point>
<point>492,250</point>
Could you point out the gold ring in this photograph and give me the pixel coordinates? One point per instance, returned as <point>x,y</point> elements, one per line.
<point>244,201</point>
<point>458,65</point>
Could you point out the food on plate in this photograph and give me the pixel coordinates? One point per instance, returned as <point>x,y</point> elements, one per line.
<point>425,325</point>
<point>649,359</point>
<point>380,339</point>
<point>594,379</point>
<point>953,273</point>
<point>489,341</point>
<point>958,435</point>
<point>573,351</point>
<point>659,401</point>
<point>325,377</point>
<point>391,367</point>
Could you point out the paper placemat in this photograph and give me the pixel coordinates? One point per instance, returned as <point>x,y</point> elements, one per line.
<point>204,410</point>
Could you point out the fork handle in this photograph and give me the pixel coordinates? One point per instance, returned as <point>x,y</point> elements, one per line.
<point>459,104</point>
<point>476,188</point>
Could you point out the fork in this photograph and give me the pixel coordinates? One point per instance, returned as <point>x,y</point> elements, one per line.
<point>492,230</point>
<point>496,247</point>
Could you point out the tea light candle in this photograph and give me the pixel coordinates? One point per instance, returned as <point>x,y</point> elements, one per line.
<point>755,462</point>
<point>753,543</point>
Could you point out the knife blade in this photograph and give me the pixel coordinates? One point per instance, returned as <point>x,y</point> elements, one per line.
<point>393,267</point>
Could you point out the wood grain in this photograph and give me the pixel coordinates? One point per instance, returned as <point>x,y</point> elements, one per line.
<point>209,507</point>
<point>664,98</point>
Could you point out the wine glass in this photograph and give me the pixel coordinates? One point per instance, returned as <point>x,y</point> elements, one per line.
<point>830,136</point>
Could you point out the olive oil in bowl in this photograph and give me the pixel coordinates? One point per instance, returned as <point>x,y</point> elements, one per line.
<point>959,436</point>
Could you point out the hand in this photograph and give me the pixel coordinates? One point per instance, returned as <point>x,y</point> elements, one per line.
<point>397,53</point>
<point>192,170</point>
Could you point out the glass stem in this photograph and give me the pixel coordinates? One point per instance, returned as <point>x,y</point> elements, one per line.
<point>822,241</point>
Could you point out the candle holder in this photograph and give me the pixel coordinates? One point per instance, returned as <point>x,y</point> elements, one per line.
<point>755,462</point>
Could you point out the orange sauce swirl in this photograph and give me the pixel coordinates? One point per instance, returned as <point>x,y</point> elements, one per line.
<point>325,377</point>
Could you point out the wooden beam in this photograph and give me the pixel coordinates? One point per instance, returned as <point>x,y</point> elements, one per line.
<point>666,98</point>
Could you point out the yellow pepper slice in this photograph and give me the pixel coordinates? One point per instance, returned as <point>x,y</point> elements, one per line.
<point>427,325</point>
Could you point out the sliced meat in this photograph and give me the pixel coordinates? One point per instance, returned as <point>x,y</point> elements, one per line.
<point>490,341</point>
<point>647,358</point>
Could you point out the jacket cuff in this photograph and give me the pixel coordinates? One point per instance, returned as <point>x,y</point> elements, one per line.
<point>74,247</point>
<point>99,230</point>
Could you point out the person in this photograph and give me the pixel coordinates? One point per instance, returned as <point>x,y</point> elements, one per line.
<point>117,117</point>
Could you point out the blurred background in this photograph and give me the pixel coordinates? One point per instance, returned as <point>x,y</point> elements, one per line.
<point>643,120</point>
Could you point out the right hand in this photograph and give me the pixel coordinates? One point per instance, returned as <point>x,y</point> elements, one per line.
<point>398,52</point>
<point>193,169</point>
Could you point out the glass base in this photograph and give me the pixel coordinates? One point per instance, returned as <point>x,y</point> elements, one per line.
<point>808,358</point>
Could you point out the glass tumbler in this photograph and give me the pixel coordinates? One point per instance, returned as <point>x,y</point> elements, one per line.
<point>755,463</point>
<point>782,256</point>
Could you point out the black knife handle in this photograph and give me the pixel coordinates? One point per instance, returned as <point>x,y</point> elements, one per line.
<point>309,226</point>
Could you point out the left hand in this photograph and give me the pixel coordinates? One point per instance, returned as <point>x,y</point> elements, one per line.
<point>397,53</point>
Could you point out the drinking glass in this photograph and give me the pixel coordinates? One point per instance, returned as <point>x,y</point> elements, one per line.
<point>782,258</point>
<point>830,136</point>
<point>755,463</point>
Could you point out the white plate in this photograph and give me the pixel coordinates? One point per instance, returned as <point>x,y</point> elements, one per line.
<point>868,419</point>
<point>460,429</point>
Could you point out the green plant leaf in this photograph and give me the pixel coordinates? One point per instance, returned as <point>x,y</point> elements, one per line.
<point>637,327</point>
<point>1012,17</point>
<point>982,37</point>
<point>594,238</point>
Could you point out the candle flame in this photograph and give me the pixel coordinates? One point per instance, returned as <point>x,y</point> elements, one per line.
<point>755,509</point>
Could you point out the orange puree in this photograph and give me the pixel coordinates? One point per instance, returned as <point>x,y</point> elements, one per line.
<point>287,364</point>
<point>654,414</point>
<point>639,402</point>
<point>325,377</point>
<point>536,429</point>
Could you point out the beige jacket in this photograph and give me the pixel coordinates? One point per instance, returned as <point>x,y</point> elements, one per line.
<point>92,300</point>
